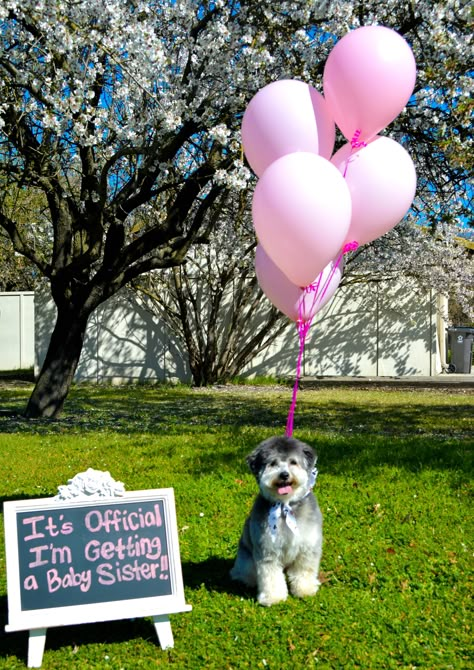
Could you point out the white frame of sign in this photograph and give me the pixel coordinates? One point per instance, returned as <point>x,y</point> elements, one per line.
<point>37,621</point>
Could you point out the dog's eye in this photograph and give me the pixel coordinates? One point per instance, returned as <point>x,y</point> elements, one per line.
<point>273,464</point>
<point>293,461</point>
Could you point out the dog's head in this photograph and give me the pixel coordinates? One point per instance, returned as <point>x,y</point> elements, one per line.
<point>282,467</point>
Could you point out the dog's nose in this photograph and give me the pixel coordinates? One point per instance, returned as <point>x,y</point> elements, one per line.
<point>284,476</point>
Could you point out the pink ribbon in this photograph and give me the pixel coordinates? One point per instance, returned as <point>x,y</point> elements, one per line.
<point>304,326</point>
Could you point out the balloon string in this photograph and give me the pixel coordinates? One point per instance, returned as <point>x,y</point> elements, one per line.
<point>355,144</point>
<point>303,328</point>
<point>303,325</point>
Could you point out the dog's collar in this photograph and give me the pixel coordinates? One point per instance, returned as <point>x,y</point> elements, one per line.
<point>281,509</point>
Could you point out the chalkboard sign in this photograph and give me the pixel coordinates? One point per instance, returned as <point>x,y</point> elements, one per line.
<point>92,560</point>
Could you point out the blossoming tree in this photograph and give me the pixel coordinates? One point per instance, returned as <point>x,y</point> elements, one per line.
<point>122,117</point>
<point>112,106</point>
<point>218,334</point>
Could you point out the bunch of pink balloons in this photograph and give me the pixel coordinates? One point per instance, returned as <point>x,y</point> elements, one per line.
<point>309,205</point>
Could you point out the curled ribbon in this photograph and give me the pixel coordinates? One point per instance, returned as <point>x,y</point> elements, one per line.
<point>355,144</point>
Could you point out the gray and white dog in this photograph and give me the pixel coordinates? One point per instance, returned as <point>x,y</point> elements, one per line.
<point>282,538</point>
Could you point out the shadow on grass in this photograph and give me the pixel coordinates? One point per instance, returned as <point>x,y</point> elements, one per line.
<point>213,573</point>
<point>22,496</point>
<point>339,457</point>
<point>11,644</point>
<point>348,434</point>
<point>185,411</point>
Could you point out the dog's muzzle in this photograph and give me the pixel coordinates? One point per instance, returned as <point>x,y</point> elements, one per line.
<point>283,484</point>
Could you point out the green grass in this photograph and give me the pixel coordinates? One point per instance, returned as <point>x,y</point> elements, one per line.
<point>394,486</point>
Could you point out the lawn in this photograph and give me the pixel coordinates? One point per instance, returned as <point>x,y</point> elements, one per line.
<point>394,485</point>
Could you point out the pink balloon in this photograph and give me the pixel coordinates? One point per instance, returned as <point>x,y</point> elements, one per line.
<point>284,117</point>
<point>301,214</point>
<point>382,181</point>
<point>369,77</point>
<point>290,299</point>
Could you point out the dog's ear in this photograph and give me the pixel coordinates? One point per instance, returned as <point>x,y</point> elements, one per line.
<point>310,456</point>
<point>255,460</point>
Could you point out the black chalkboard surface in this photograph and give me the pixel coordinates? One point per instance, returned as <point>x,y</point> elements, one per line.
<point>91,560</point>
<point>92,554</point>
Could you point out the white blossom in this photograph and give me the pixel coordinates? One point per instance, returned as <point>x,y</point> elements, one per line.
<point>220,133</point>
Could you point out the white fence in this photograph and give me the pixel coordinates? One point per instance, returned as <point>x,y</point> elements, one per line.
<point>367,330</point>
<point>17,340</point>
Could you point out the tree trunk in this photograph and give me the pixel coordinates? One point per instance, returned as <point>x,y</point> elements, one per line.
<point>62,358</point>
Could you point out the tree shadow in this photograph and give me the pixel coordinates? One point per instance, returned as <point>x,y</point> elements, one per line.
<point>367,329</point>
<point>346,434</point>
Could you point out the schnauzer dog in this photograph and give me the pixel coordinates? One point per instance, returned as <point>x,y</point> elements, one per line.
<point>282,538</point>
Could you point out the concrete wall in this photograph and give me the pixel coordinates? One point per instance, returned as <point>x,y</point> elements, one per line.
<point>123,343</point>
<point>367,330</point>
<point>17,338</point>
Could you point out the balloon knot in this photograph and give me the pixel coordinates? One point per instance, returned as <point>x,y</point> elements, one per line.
<point>350,246</point>
<point>355,143</point>
<point>303,326</point>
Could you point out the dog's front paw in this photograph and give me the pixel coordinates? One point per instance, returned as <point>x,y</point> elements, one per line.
<point>303,587</point>
<point>271,584</point>
<point>268,599</point>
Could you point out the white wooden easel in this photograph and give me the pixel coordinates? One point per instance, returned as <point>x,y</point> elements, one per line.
<point>37,621</point>
<point>36,642</point>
